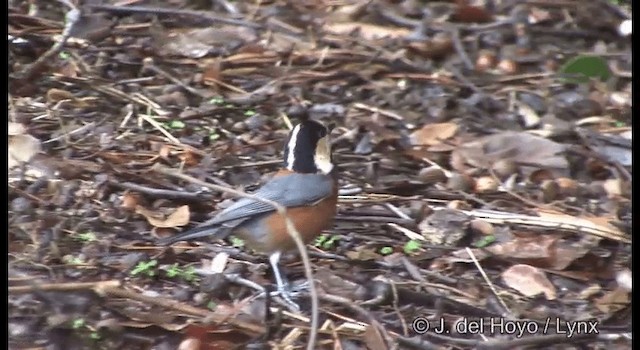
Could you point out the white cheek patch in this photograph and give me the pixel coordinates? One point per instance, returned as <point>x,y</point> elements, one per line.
<point>291,157</point>
<point>324,165</point>
<point>322,159</point>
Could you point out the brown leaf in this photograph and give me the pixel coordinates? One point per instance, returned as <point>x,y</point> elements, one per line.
<point>130,200</point>
<point>22,147</point>
<point>179,217</point>
<point>373,339</point>
<point>433,134</point>
<point>613,301</point>
<point>523,148</point>
<point>190,344</point>
<point>367,31</point>
<point>212,72</point>
<point>529,281</point>
<point>189,158</point>
<point>471,14</point>
<point>55,95</point>
<point>197,43</point>
<point>363,254</point>
<point>544,251</point>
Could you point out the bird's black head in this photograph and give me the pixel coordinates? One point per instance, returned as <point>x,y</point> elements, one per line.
<point>308,148</point>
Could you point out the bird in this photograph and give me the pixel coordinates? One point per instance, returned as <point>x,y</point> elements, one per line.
<point>306,186</point>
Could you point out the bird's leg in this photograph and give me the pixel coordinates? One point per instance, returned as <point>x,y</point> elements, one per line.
<point>283,287</point>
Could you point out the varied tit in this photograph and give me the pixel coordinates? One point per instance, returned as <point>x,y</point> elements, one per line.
<point>306,186</point>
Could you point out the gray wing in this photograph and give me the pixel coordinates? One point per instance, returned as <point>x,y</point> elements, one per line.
<point>289,191</point>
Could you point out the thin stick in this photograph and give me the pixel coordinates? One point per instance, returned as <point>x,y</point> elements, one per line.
<point>181,307</point>
<point>352,305</point>
<point>291,230</point>
<point>486,279</point>
<point>71,18</point>
<point>160,128</point>
<point>63,287</point>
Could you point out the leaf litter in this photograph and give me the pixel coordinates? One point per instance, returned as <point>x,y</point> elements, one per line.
<point>477,180</point>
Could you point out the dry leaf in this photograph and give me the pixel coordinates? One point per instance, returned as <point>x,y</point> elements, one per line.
<point>16,129</point>
<point>367,31</point>
<point>433,134</point>
<point>520,147</point>
<point>196,43</point>
<point>529,281</point>
<point>362,254</point>
<point>190,344</point>
<point>373,339</point>
<point>543,251</point>
<point>598,224</point>
<point>471,14</point>
<point>22,147</point>
<point>56,95</point>
<point>613,301</point>
<point>130,200</point>
<point>179,217</point>
<point>529,116</point>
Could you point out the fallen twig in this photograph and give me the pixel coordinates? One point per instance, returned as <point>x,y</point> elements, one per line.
<point>71,18</point>
<point>556,221</point>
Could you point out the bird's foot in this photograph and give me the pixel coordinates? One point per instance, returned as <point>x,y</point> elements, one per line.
<point>287,296</point>
<point>288,292</point>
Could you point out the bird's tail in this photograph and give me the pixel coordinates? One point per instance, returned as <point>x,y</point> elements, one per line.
<point>216,232</point>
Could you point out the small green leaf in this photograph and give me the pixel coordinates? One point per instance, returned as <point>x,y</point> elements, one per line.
<point>330,243</point>
<point>189,274</point>
<point>78,323</point>
<point>173,271</point>
<point>319,241</point>
<point>214,136</point>
<point>484,241</point>
<point>412,246</point>
<point>580,69</point>
<point>145,267</point>
<point>73,260</point>
<point>250,113</point>
<point>218,100</point>
<point>176,124</point>
<point>211,305</point>
<point>236,242</point>
<point>94,336</point>
<point>64,55</point>
<point>86,236</point>
<point>386,250</point>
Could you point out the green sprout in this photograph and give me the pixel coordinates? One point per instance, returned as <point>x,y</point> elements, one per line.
<point>218,100</point>
<point>484,241</point>
<point>188,274</point>
<point>145,267</point>
<point>73,260</point>
<point>386,250</point>
<point>86,237</point>
<point>175,124</point>
<point>236,242</point>
<point>78,323</point>
<point>326,241</point>
<point>412,246</point>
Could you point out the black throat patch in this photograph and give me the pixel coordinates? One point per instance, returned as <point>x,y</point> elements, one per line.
<point>300,150</point>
